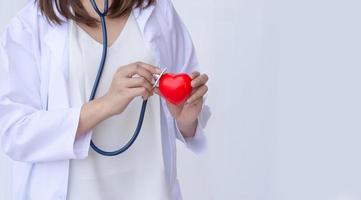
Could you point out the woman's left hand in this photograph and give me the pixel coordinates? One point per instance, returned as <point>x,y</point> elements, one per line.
<point>186,114</point>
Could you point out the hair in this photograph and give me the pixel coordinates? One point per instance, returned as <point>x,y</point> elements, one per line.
<point>74,10</point>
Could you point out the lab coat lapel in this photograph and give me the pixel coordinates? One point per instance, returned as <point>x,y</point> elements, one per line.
<point>150,30</point>
<point>142,15</point>
<point>56,42</point>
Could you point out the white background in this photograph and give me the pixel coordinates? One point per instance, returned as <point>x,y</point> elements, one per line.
<point>285,95</point>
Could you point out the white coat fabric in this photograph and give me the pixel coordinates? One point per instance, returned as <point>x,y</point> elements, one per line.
<point>37,123</point>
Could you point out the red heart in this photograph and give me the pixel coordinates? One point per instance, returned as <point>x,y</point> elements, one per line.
<point>175,88</point>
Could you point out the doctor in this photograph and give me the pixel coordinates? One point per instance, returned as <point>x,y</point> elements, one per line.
<point>50,52</point>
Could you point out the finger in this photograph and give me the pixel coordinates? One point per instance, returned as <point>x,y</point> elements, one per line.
<point>140,91</point>
<point>141,71</point>
<point>151,68</point>
<point>196,102</point>
<point>140,82</point>
<point>201,91</point>
<point>199,81</point>
<point>194,74</point>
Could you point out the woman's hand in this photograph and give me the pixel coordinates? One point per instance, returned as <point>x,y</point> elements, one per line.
<point>186,114</point>
<point>126,86</point>
<point>128,82</point>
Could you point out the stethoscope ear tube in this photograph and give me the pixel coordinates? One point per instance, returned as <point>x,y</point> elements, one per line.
<point>96,8</point>
<point>102,16</point>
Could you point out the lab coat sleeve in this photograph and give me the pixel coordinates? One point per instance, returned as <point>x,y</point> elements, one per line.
<point>184,59</point>
<point>29,133</point>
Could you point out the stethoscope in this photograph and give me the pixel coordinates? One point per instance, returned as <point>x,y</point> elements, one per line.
<point>102,16</point>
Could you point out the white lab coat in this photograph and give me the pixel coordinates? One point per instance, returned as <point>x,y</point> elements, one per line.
<point>37,124</point>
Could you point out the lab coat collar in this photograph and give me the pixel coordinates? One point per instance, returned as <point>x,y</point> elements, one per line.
<point>142,15</point>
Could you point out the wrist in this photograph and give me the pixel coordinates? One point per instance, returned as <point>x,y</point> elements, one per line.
<point>187,128</point>
<point>105,107</point>
<point>91,114</point>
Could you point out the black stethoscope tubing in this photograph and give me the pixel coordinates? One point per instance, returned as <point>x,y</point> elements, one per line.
<point>102,16</point>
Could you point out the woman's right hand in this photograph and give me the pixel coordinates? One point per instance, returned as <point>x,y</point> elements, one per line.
<point>128,82</point>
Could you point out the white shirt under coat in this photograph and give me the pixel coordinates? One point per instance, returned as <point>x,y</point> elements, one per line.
<point>139,172</point>
<point>37,123</point>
